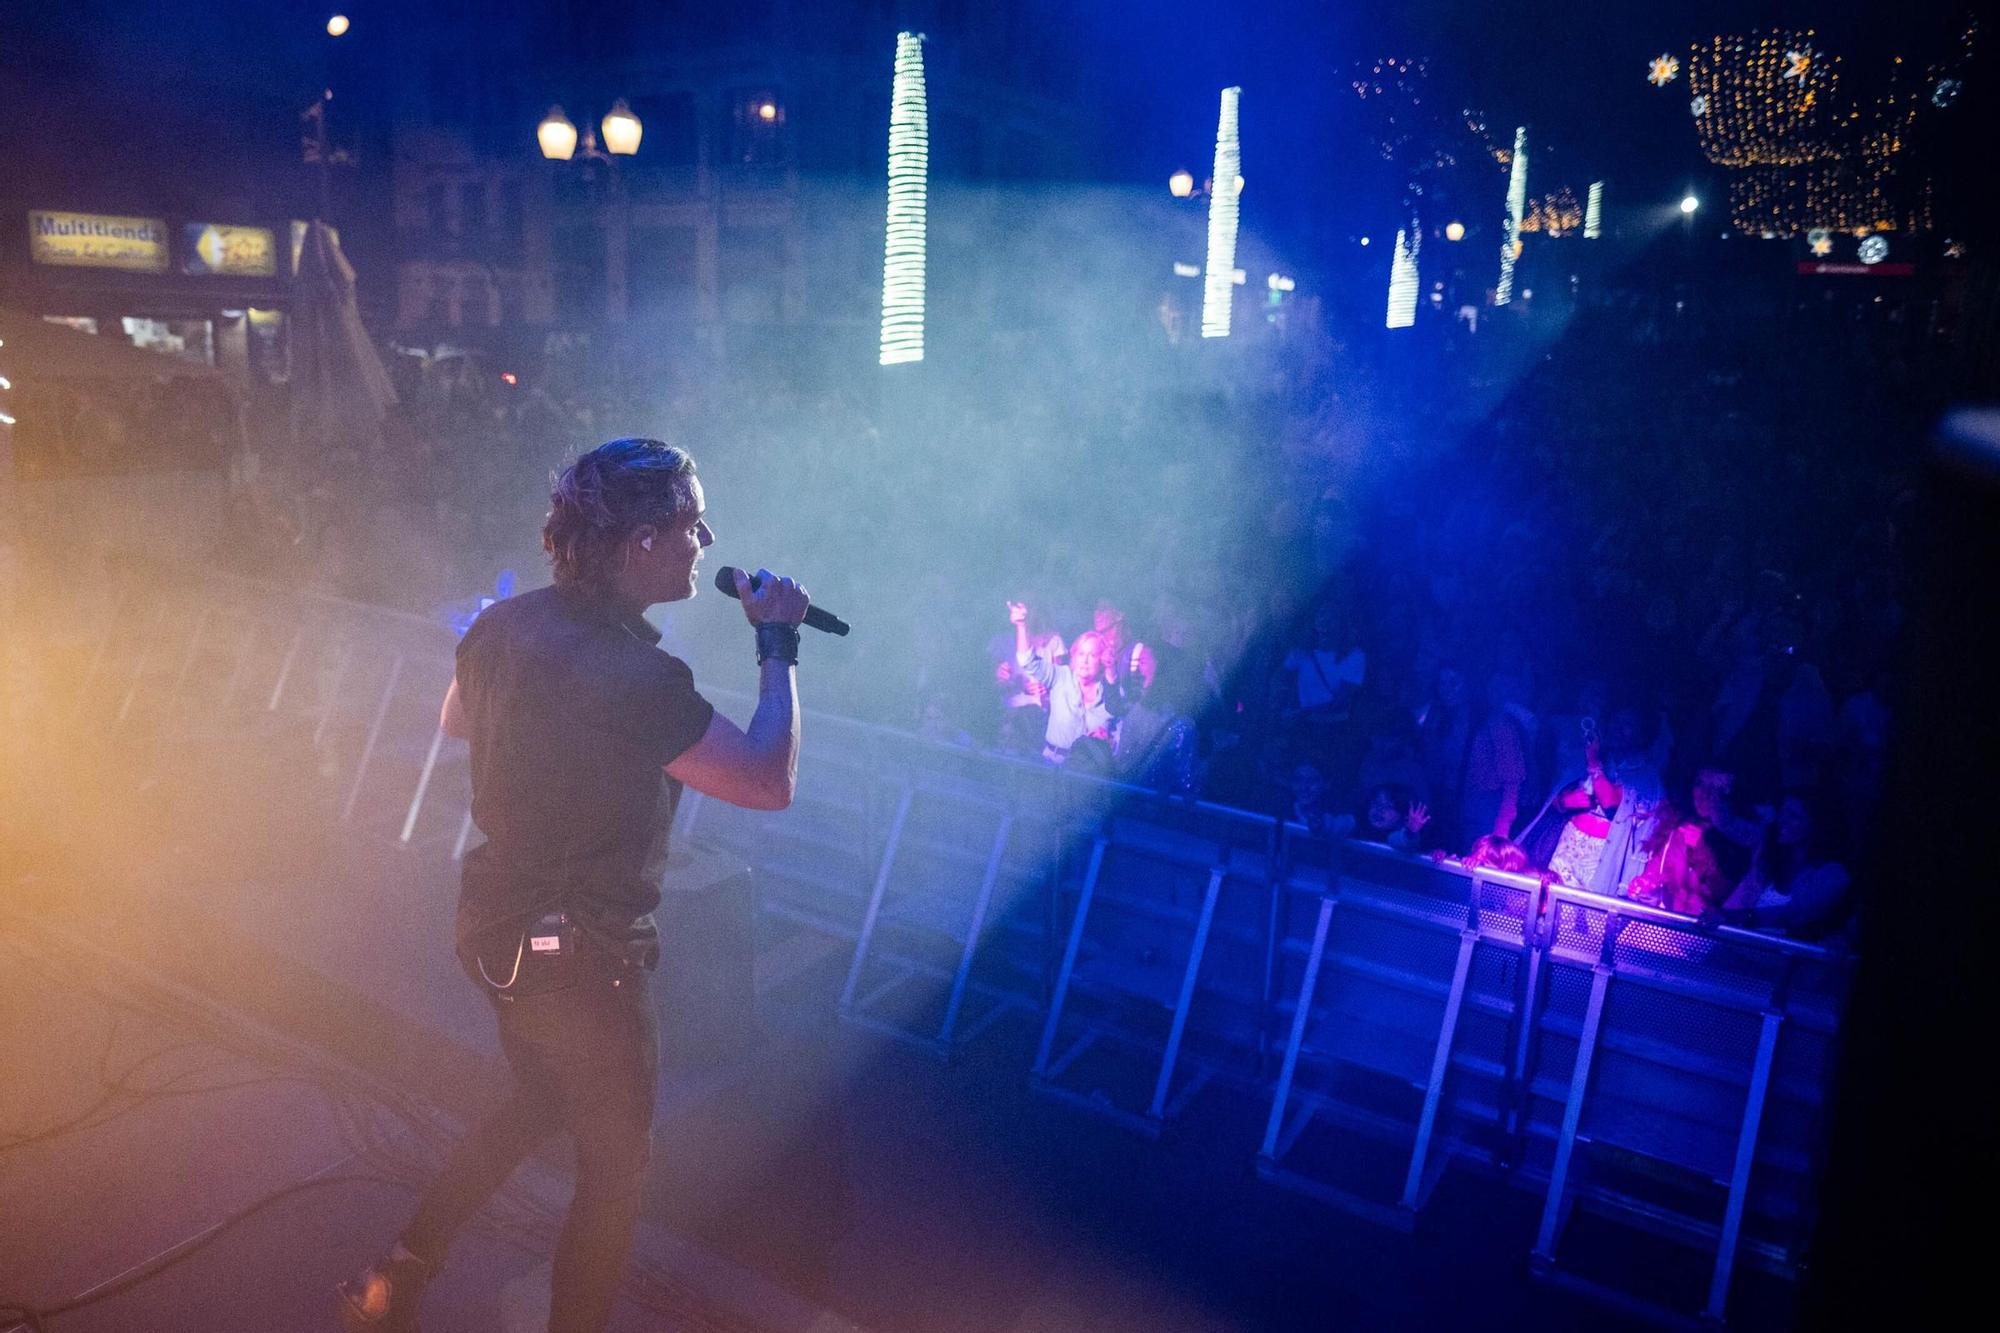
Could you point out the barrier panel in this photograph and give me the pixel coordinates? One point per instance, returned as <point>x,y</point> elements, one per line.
<point>1648,1089</point>
<point>1174,904</point>
<point>1398,1015</point>
<point>944,881</point>
<point>1404,980</point>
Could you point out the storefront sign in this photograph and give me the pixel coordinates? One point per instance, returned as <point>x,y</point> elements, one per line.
<point>1826,268</point>
<point>94,240</point>
<point>214,247</point>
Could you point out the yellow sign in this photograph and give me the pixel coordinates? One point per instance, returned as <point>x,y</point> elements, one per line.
<point>93,240</point>
<point>213,247</point>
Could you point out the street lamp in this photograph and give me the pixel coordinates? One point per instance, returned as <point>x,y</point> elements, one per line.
<point>557,136</point>
<point>337,26</point>
<point>1454,231</point>
<point>561,140</point>
<point>1689,204</point>
<point>621,129</point>
<point>1181,183</point>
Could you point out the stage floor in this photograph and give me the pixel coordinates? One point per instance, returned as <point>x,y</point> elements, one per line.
<point>824,1177</point>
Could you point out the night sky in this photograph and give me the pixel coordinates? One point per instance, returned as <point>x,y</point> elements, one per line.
<point>116,88</point>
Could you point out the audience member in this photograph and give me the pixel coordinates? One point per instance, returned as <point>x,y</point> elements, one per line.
<point>1081,701</point>
<point>1796,883</point>
<point>1157,743</point>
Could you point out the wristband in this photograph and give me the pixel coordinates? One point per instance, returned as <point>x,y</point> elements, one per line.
<point>779,640</point>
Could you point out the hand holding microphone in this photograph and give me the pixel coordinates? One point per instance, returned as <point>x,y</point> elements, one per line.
<point>767,600</point>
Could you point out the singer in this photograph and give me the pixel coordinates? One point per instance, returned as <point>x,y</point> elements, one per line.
<point>583,733</point>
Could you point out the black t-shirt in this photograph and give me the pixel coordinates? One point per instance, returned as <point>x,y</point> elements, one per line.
<point>573,712</point>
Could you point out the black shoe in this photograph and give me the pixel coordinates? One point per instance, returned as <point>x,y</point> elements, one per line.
<point>385,1297</point>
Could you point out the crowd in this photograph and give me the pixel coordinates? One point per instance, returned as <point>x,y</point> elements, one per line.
<point>1613,599</point>
<point>1633,629</point>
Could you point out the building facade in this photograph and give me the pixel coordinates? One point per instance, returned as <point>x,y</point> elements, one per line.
<point>755,198</point>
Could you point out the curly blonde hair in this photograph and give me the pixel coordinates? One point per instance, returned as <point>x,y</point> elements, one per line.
<point>600,498</point>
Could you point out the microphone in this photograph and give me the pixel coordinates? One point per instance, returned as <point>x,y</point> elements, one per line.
<point>824,621</point>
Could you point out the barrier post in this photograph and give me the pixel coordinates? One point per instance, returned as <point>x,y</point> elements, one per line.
<point>285,669</point>
<point>329,705</point>
<point>374,734</point>
<point>875,898</point>
<point>964,974</point>
<point>1746,1156</point>
<point>1586,1048</point>
<point>1307,985</point>
<point>423,785</point>
<point>1070,948</point>
<point>1441,1061</point>
<point>140,663</point>
<point>1186,1000</point>
<point>242,665</point>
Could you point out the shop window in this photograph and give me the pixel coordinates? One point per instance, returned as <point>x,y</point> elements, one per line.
<point>753,274</point>
<point>660,267</point>
<point>471,208</point>
<point>188,339</point>
<point>757,135</point>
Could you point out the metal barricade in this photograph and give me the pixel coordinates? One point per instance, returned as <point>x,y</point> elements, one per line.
<point>945,882</point>
<point>1409,984</point>
<point>1646,1090</point>
<point>1147,934</point>
<point>1401,1015</point>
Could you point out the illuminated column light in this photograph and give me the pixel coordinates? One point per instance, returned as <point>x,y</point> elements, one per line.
<point>1517,203</point>
<point>909,192</point>
<point>1403,279</point>
<point>1593,212</point>
<point>1218,283</point>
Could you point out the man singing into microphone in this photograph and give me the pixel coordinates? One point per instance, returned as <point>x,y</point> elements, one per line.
<point>583,733</point>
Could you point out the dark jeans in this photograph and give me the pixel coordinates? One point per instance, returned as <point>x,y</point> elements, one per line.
<point>585,1061</point>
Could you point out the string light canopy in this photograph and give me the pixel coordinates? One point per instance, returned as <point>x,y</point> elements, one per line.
<point>1218,281</point>
<point>903,253</point>
<point>1811,142</point>
<point>1553,214</point>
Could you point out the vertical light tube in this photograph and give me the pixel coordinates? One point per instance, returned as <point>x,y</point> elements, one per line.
<point>1403,279</point>
<point>1517,204</point>
<point>1218,291</point>
<point>909,194</point>
<point>1593,212</point>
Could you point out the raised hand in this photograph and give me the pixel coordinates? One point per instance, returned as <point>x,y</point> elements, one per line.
<point>1017,612</point>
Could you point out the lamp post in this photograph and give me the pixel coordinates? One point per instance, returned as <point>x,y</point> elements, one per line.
<point>561,141</point>
<point>558,136</point>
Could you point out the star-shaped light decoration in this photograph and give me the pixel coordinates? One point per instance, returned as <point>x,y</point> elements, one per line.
<point>1872,251</point>
<point>1820,241</point>
<point>1798,64</point>
<point>1698,104</point>
<point>1663,70</point>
